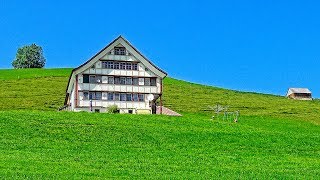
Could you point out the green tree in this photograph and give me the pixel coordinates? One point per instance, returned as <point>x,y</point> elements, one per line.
<point>29,57</point>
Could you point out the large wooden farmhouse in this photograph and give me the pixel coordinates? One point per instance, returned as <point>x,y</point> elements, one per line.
<point>117,75</point>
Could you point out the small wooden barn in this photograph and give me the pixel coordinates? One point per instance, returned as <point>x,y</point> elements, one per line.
<point>299,93</point>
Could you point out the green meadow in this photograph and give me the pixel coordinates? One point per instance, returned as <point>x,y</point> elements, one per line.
<point>275,138</point>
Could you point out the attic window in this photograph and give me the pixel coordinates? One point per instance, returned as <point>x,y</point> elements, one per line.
<point>134,66</point>
<point>120,51</point>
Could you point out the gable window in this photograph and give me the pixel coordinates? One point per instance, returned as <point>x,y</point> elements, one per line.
<point>110,80</point>
<point>120,65</point>
<point>129,66</point>
<point>85,78</point>
<point>104,64</point>
<point>110,64</point>
<point>123,65</point>
<point>135,66</point>
<point>120,51</point>
<point>110,96</point>
<point>116,65</point>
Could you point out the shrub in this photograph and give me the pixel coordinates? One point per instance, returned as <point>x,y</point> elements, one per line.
<point>113,109</point>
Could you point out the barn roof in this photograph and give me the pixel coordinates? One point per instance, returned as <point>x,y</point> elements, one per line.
<point>298,90</point>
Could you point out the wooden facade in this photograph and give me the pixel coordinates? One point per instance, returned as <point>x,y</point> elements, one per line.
<point>117,75</point>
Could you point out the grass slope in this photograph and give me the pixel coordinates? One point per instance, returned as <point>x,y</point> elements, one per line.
<point>80,145</point>
<point>275,138</point>
<point>37,89</point>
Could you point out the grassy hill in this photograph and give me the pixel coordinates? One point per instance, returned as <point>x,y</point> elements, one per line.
<point>44,89</point>
<point>275,138</point>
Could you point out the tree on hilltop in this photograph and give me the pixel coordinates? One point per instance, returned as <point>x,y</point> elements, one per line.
<point>29,57</point>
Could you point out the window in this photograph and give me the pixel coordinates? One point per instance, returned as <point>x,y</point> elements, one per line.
<point>135,97</point>
<point>122,80</point>
<point>129,97</point>
<point>85,95</point>
<point>95,95</point>
<point>110,64</point>
<point>129,66</point>
<point>116,80</point>
<point>99,79</point>
<point>120,51</point>
<point>123,51</point>
<point>153,81</point>
<point>116,65</point>
<point>110,96</point>
<point>110,80</point>
<point>98,95</point>
<point>97,110</point>
<point>122,97</point>
<point>91,95</point>
<point>129,81</point>
<point>117,97</point>
<point>92,79</point>
<point>135,81</point>
<point>147,81</point>
<point>135,66</point>
<point>104,64</point>
<point>141,97</point>
<point>141,81</point>
<point>123,65</point>
<point>85,78</point>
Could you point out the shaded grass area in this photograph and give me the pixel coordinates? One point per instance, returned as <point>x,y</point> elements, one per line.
<point>36,144</point>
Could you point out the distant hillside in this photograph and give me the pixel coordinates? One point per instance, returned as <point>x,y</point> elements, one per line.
<point>44,89</point>
<point>189,97</point>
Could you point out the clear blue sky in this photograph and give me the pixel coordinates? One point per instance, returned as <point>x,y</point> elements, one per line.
<point>261,46</point>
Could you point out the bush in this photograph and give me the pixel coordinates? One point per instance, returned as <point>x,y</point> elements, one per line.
<point>113,109</point>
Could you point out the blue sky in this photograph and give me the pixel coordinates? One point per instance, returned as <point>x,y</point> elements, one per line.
<point>261,46</point>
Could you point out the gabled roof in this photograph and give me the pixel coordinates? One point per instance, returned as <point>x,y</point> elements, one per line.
<point>298,90</point>
<point>114,43</point>
<point>119,40</point>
